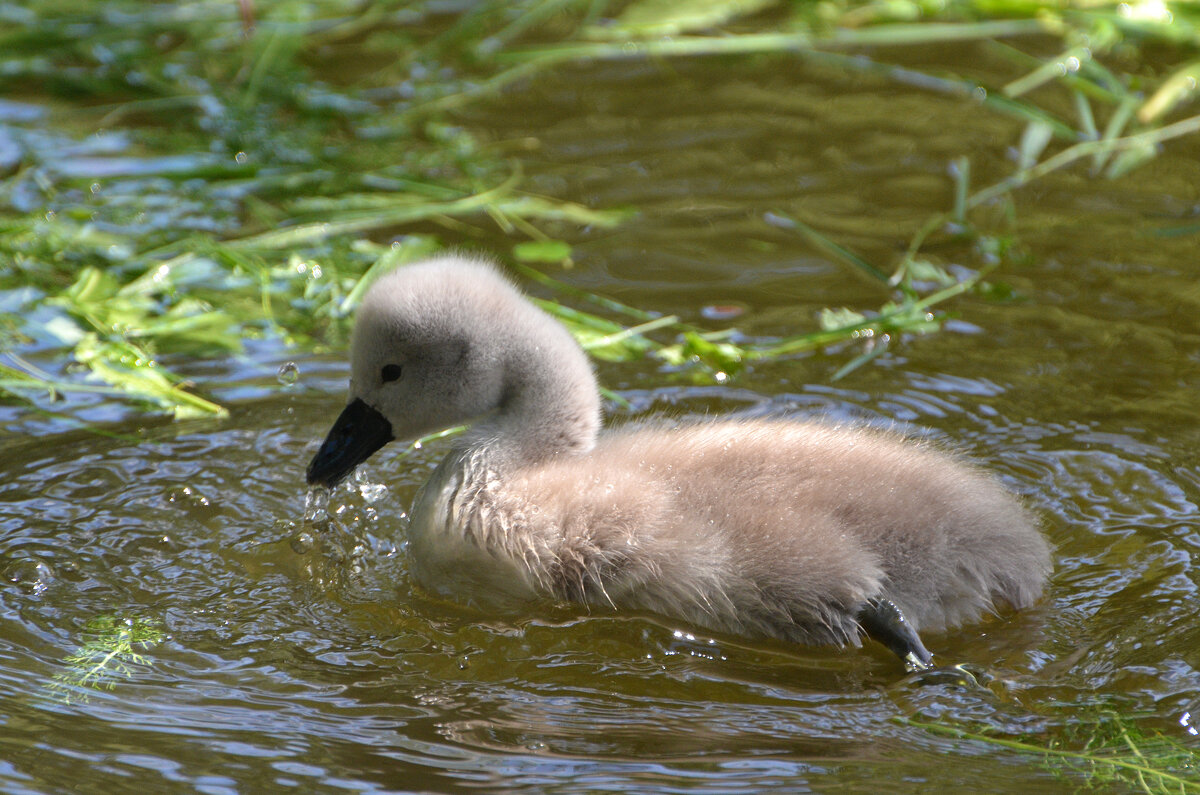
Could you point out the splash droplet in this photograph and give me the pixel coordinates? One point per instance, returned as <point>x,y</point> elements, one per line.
<point>302,542</point>
<point>288,374</point>
<point>316,504</point>
<point>372,492</point>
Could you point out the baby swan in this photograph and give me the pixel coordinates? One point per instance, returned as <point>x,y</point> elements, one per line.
<point>772,528</point>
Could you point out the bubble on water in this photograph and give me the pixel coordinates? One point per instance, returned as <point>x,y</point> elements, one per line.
<point>288,374</point>
<point>302,542</point>
<point>29,574</point>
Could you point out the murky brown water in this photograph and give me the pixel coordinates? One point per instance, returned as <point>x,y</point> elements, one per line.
<point>311,663</point>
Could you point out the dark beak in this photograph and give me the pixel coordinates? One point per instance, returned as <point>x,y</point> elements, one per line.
<point>358,432</point>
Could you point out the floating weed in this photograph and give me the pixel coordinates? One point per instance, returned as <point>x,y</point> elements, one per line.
<point>1109,750</point>
<point>109,654</point>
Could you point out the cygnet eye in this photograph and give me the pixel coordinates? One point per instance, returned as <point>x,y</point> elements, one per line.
<point>390,373</point>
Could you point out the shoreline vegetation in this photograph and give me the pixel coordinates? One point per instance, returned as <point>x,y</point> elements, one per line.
<point>176,178</point>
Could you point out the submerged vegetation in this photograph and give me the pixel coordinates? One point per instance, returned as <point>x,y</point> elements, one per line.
<point>110,654</point>
<point>1105,750</point>
<point>176,178</point>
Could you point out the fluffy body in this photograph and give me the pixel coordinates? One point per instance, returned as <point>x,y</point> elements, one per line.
<point>772,528</point>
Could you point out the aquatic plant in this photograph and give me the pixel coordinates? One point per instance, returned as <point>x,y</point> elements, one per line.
<point>108,655</point>
<point>1103,749</point>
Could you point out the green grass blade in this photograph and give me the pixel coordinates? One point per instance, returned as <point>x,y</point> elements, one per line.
<point>826,246</point>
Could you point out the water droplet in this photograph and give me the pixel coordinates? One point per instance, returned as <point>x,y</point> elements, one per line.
<point>288,374</point>
<point>316,504</point>
<point>241,157</point>
<point>372,492</point>
<point>302,542</point>
<point>720,377</point>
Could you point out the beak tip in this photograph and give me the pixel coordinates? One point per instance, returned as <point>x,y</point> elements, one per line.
<point>328,480</point>
<point>355,436</point>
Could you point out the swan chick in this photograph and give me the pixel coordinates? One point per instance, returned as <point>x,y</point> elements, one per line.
<point>797,530</point>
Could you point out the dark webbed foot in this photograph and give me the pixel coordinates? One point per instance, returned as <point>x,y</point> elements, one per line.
<point>883,621</point>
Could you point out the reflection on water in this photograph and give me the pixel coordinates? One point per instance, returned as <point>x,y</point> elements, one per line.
<point>296,653</point>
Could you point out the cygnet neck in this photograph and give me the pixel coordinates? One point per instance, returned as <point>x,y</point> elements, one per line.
<point>550,403</point>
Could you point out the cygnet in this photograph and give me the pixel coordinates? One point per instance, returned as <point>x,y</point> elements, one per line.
<point>803,531</point>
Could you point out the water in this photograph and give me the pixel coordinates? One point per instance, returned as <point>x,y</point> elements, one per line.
<point>292,651</point>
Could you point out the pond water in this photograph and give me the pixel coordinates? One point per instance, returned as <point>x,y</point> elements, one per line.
<point>287,656</point>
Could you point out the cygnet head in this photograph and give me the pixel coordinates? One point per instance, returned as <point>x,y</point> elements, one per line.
<point>450,341</point>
